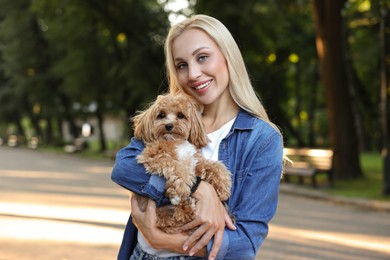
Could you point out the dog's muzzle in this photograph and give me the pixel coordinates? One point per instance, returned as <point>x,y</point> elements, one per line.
<point>169,127</point>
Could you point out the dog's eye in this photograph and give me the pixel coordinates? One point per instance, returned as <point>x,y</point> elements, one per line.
<point>181,115</point>
<point>161,115</point>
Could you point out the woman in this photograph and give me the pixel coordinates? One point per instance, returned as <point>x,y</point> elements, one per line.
<point>204,61</point>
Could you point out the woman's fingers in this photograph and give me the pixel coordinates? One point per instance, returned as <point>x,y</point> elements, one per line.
<point>217,245</point>
<point>134,204</point>
<point>202,242</point>
<point>210,221</point>
<point>143,210</point>
<point>140,203</point>
<point>229,222</point>
<point>150,204</point>
<point>194,237</point>
<point>190,225</point>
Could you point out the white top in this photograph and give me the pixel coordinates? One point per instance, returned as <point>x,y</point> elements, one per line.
<point>210,151</point>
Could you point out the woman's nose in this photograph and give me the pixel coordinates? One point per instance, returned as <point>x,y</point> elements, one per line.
<point>194,72</point>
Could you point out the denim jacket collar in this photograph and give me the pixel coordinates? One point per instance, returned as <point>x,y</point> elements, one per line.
<point>244,121</point>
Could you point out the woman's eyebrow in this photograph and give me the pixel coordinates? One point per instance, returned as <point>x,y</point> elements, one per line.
<point>199,49</point>
<point>193,53</point>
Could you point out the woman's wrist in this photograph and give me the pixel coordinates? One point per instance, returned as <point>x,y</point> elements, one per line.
<point>164,241</point>
<point>196,185</point>
<point>201,190</point>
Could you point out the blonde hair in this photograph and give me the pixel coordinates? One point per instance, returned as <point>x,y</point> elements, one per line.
<point>240,86</point>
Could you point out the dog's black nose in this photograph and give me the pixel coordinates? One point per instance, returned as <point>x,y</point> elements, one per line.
<point>169,127</point>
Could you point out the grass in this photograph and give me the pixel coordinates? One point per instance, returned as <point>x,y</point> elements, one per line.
<point>369,186</point>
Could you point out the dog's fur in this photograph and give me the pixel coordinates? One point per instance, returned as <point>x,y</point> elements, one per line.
<point>173,133</point>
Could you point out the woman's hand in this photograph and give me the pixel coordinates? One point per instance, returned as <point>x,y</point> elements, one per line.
<point>143,211</point>
<point>144,215</point>
<point>211,220</point>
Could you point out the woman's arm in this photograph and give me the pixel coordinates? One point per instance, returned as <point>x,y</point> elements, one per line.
<point>253,205</point>
<point>255,202</point>
<point>131,175</point>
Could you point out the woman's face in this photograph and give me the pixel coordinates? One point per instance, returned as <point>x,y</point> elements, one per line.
<point>201,67</point>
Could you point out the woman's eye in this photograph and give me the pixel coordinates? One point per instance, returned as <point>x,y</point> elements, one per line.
<point>181,66</point>
<point>202,58</point>
<point>180,116</point>
<point>161,115</point>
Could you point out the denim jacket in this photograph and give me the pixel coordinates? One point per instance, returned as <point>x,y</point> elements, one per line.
<point>252,151</point>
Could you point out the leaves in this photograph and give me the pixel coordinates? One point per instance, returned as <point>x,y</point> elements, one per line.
<point>69,56</point>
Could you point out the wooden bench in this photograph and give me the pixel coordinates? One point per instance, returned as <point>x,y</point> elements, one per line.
<point>309,163</point>
<point>78,145</point>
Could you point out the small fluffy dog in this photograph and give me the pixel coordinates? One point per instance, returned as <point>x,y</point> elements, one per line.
<point>173,133</point>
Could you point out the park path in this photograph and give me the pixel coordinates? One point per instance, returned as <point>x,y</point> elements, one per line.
<point>58,206</point>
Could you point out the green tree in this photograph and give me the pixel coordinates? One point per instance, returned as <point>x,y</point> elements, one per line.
<point>109,54</point>
<point>277,42</point>
<point>330,52</point>
<point>25,63</point>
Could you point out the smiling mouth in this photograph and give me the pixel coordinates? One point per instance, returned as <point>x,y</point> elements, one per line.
<point>202,86</point>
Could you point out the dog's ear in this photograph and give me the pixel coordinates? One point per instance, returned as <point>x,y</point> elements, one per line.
<point>143,126</point>
<point>198,135</point>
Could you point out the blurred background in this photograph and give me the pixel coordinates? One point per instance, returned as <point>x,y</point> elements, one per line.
<point>72,73</point>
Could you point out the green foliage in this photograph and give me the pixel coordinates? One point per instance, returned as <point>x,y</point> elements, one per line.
<point>369,186</point>
<point>277,39</point>
<point>108,48</point>
<point>277,42</point>
<point>63,59</point>
<point>362,18</point>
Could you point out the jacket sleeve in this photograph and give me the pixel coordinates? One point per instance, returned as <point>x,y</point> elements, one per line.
<point>131,175</point>
<point>256,202</point>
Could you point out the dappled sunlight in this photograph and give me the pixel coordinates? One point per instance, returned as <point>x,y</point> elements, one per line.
<point>55,174</point>
<point>35,229</point>
<point>40,175</point>
<point>83,182</point>
<point>59,207</point>
<point>118,200</point>
<point>86,214</point>
<point>25,221</point>
<point>60,188</point>
<point>98,169</point>
<point>358,241</point>
<point>320,47</point>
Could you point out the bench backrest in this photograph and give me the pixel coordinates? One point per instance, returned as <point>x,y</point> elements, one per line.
<point>318,158</point>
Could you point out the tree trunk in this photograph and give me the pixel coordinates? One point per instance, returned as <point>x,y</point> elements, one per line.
<point>102,138</point>
<point>329,42</point>
<point>352,82</point>
<point>65,101</point>
<point>312,106</point>
<point>384,106</point>
<point>49,131</point>
<point>19,128</point>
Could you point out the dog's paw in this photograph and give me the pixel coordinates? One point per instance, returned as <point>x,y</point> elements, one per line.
<point>175,200</point>
<point>223,193</point>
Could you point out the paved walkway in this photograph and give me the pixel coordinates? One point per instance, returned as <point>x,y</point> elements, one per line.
<point>55,206</point>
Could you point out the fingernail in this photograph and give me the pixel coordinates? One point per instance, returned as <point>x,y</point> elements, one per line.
<point>185,247</point>
<point>191,253</point>
<point>212,258</point>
